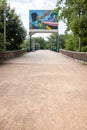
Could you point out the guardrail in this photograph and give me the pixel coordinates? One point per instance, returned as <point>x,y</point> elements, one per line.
<point>82,56</point>
<point>12,54</point>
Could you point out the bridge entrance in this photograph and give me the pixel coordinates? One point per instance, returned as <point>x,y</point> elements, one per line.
<point>43,21</point>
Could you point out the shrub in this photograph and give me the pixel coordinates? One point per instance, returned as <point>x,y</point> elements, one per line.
<point>1,42</point>
<point>84,49</point>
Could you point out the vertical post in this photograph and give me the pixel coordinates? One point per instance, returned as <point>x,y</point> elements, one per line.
<point>30,43</point>
<point>79,14</point>
<point>4,28</point>
<point>52,45</point>
<point>57,43</point>
<point>79,44</point>
<point>57,38</point>
<point>33,45</point>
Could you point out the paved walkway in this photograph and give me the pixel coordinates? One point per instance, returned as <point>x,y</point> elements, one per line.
<point>43,90</point>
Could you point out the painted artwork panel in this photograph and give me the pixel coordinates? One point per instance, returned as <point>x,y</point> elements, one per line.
<point>43,19</point>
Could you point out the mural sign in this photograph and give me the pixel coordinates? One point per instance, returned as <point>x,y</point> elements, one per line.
<point>43,19</point>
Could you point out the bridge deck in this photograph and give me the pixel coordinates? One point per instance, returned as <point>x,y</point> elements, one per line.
<point>43,90</point>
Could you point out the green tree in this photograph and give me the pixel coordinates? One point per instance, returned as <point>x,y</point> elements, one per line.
<point>62,41</point>
<point>40,42</point>
<point>2,2</point>
<point>1,42</point>
<point>25,44</point>
<point>15,31</point>
<point>74,14</point>
<point>52,40</point>
<point>71,42</point>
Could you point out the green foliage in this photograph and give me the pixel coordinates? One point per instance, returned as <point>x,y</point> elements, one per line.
<point>48,45</point>
<point>1,42</point>
<point>74,14</point>
<point>37,46</point>
<point>15,31</point>
<point>62,41</point>
<point>1,26</point>
<point>40,42</point>
<point>71,42</point>
<point>84,49</point>
<point>52,40</point>
<point>25,44</point>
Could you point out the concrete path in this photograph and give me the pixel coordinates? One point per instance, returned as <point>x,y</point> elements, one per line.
<point>43,90</point>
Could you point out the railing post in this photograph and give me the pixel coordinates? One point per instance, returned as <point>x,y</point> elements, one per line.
<point>30,43</point>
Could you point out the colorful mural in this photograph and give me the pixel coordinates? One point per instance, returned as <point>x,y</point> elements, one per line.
<point>43,19</point>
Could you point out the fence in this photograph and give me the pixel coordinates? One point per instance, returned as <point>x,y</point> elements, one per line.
<point>76,55</point>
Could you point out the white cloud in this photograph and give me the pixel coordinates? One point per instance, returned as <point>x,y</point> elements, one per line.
<point>22,7</point>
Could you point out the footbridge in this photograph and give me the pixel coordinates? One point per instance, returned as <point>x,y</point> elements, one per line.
<point>43,90</point>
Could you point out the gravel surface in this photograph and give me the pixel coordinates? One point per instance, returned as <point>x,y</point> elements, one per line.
<point>43,90</point>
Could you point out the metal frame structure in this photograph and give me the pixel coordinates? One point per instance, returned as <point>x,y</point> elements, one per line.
<point>33,30</point>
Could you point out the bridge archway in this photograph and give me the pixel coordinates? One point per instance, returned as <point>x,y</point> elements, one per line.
<point>43,21</point>
<point>33,42</point>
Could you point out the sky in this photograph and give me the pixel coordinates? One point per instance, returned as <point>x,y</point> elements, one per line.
<point>22,8</point>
